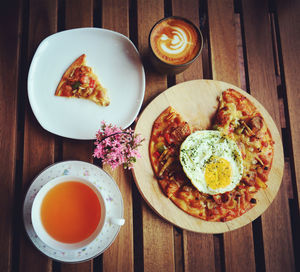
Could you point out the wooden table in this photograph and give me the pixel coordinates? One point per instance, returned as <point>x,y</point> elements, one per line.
<point>252,44</point>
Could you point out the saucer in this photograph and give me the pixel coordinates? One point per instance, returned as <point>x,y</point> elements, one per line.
<point>112,198</point>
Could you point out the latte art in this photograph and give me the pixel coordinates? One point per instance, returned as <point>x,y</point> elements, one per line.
<point>175,44</point>
<point>175,41</point>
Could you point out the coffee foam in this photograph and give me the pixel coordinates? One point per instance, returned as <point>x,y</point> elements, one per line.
<point>175,41</point>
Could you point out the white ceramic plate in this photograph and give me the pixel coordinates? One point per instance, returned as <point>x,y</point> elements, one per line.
<point>115,61</point>
<point>113,202</point>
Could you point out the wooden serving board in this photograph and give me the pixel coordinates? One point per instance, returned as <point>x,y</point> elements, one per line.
<point>197,102</point>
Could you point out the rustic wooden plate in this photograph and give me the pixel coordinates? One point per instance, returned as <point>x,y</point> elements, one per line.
<point>197,102</point>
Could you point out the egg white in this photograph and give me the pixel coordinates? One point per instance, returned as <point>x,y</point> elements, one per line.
<point>198,149</point>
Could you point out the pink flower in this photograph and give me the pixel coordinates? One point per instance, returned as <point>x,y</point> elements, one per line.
<point>115,146</point>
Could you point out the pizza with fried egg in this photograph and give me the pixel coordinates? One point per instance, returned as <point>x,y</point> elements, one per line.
<point>79,81</point>
<point>204,194</point>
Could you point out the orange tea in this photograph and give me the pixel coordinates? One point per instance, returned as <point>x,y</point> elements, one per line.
<point>70,212</point>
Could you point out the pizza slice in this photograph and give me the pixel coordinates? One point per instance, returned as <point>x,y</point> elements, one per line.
<point>239,119</point>
<point>168,132</point>
<point>80,81</point>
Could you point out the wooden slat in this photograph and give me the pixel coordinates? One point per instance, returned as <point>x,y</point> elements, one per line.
<point>238,244</point>
<point>115,16</point>
<point>289,21</point>
<point>42,22</point>
<point>223,41</point>
<point>204,256</point>
<point>198,252</point>
<point>9,58</point>
<point>78,13</point>
<point>277,237</point>
<point>157,234</point>
<point>120,256</point>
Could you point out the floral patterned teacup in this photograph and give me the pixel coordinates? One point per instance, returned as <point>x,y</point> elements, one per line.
<point>65,208</point>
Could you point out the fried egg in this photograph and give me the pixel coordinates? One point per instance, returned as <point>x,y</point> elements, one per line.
<point>211,161</point>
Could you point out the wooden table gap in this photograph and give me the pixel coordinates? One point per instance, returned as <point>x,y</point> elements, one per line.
<point>204,28</point>
<point>98,264</point>
<point>258,245</point>
<point>240,50</point>
<point>133,28</point>
<point>178,250</point>
<point>97,13</point>
<point>61,11</point>
<point>137,226</point>
<point>219,252</point>
<point>168,8</point>
<point>245,80</point>
<point>295,223</point>
<point>282,92</point>
<point>275,40</point>
<point>17,221</point>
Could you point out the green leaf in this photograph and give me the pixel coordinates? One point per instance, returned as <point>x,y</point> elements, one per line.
<point>76,85</point>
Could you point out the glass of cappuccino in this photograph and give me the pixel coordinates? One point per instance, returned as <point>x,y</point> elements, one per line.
<point>174,43</point>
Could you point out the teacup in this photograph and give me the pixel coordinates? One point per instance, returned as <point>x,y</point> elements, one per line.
<point>174,43</point>
<point>69,212</point>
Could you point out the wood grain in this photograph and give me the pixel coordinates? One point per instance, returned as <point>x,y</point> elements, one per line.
<point>158,243</point>
<point>223,44</point>
<point>262,81</point>
<point>119,257</point>
<point>198,252</point>
<point>78,13</point>
<point>288,21</point>
<point>205,256</point>
<point>38,143</point>
<point>115,16</point>
<point>9,46</point>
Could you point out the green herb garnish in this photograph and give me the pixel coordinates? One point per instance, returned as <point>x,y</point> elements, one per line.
<point>76,85</point>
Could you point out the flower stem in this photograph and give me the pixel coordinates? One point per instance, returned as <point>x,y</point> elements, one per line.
<point>123,132</point>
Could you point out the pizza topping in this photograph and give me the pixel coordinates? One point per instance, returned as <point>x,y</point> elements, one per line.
<point>75,85</point>
<point>256,123</point>
<point>165,166</point>
<point>180,133</point>
<point>161,147</point>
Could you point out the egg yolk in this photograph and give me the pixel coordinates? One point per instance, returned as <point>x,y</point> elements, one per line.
<point>217,173</point>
